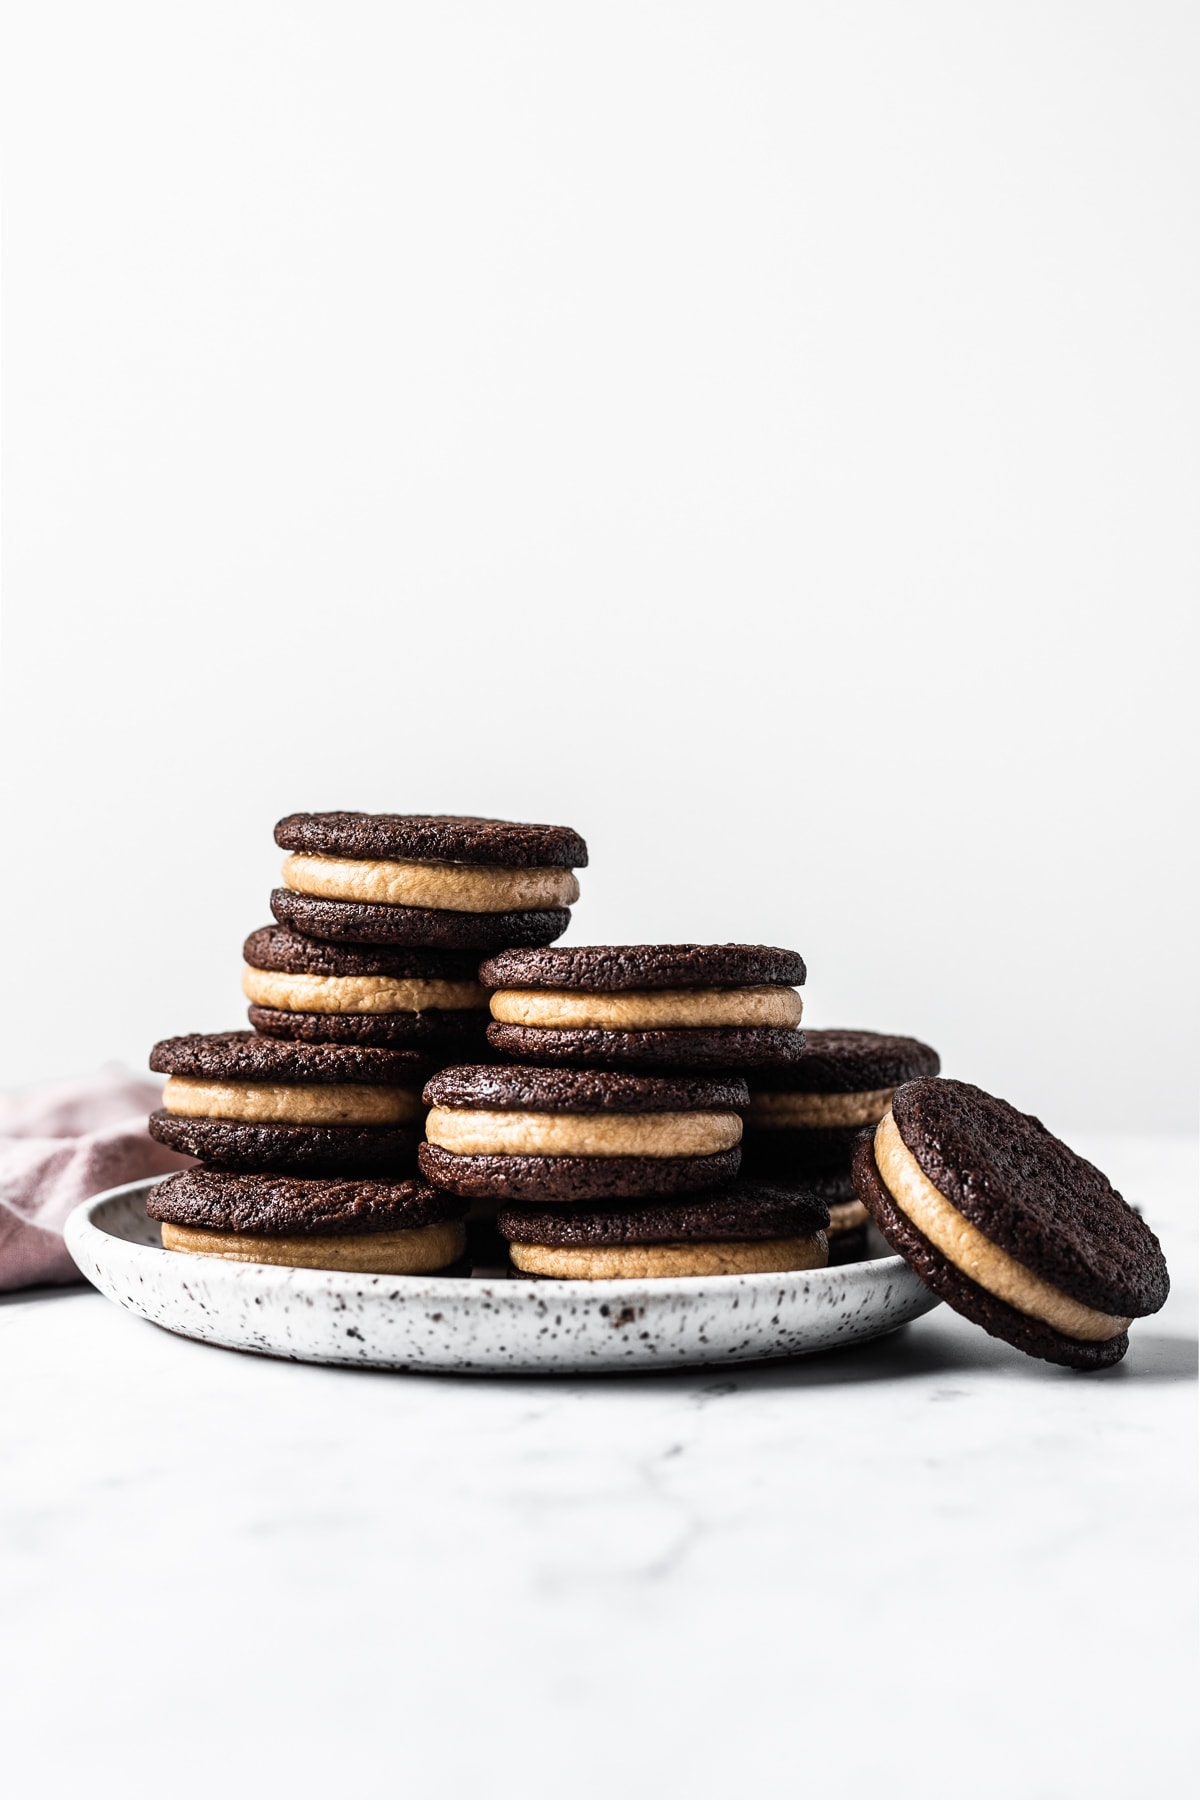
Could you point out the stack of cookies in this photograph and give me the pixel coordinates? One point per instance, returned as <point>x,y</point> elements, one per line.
<point>611,1145</point>
<point>306,1127</point>
<point>596,1173</point>
<point>383,918</point>
<point>805,1117</point>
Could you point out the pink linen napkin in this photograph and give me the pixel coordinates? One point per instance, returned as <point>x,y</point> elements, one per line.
<point>59,1143</point>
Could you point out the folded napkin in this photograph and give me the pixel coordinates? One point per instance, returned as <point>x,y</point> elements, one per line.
<point>59,1143</point>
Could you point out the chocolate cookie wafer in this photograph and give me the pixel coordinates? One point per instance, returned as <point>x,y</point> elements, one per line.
<point>371,1227</point>
<point>647,1006</point>
<point>240,1101</point>
<point>805,1115</point>
<point>397,996</point>
<point>516,1132</point>
<point>426,880</point>
<point>745,1228</point>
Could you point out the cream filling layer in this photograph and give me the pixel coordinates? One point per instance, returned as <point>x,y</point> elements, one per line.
<point>965,1246</point>
<point>414,1252</point>
<point>356,993</point>
<point>652,1262</point>
<point>774,1112</point>
<point>847,1215</point>
<point>291,1103</point>
<point>646,1009</point>
<point>448,887</point>
<point>471,1132</point>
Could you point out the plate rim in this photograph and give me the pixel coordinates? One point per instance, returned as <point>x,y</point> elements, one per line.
<point>80,1222</point>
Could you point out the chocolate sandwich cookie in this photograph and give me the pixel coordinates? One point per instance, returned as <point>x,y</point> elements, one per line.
<point>805,1116</point>
<point>427,1000</point>
<point>648,1006</point>
<point>1009,1226</point>
<point>241,1101</point>
<point>426,880</point>
<point>746,1228</point>
<point>374,1227</point>
<point>520,1133</point>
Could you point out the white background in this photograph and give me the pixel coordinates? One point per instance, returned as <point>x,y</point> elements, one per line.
<point>761,436</point>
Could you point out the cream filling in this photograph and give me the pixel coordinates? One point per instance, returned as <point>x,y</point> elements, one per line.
<point>469,1132</point>
<point>657,1261</point>
<point>415,1252</point>
<point>965,1246</point>
<point>291,1103</point>
<point>449,887</point>
<point>774,1112</point>
<point>646,1009</point>
<point>356,993</point>
<point>847,1215</point>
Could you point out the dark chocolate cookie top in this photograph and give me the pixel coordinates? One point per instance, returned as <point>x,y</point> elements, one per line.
<point>382,1152</point>
<point>438,1036</point>
<point>296,1205</point>
<point>522,1088</point>
<point>433,837</point>
<point>539,1179</point>
<point>610,968</point>
<point>275,947</point>
<point>423,927</point>
<point>755,1051</point>
<point>744,1209</point>
<point>852,1062</point>
<point>245,1056</point>
<point>1027,1192</point>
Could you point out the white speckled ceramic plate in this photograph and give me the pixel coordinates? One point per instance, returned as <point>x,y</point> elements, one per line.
<point>485,1324</point>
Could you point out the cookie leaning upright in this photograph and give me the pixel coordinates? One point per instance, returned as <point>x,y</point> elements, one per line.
<point>647,1006</point>
<point>516,1133</point>
<point>1008,1225</point>
<point>428,880</point>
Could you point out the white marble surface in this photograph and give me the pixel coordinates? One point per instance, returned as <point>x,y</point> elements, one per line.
<point>927,1567</point>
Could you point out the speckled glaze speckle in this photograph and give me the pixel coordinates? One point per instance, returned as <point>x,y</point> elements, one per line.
<point>478,1324</point>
